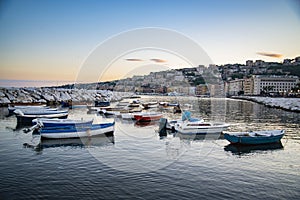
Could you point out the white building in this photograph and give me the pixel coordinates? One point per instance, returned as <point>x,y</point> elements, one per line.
<point>273,84</point>
<point>234,87</point>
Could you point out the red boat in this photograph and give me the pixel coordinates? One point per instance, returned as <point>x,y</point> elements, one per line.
<point>145,117</point>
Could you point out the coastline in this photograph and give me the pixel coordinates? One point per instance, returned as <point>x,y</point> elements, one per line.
<point>288,104</point>
<point>55,96</point>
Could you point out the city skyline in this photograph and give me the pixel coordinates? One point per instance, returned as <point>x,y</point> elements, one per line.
<point>50,40</point>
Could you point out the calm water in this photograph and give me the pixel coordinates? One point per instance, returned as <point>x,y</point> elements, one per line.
<point>138,163</point>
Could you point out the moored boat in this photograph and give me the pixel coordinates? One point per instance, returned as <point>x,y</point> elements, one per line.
<point>26,116</point>
<point>200,127</point>
<point>77,132</point>
<point>99,103</point>
<point>188,125</point>
<point>127,116</point>
<point>147,116</point>
<point>148,105</point>
<point>254,137</point>
<point>45,122</point>
<point>12,108</point>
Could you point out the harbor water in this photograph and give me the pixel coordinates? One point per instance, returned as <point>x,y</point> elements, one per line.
<point>136,162</point>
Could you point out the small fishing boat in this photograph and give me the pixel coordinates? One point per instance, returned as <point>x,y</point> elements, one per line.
<point>58,132</point>
<point>163,103</point>
<point>149,105</point>
<point>26,116</point>
<point>134,105</point>
<point>174,104</point>
<point>127,116</point>
<point>12,108</point>
<point>147,116</point>
<point>111,113</point>
<point>45,122</point>
<point>254,137</point>
<point>99,103</point>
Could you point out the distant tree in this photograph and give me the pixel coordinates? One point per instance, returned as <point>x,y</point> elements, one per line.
<point>266,90</point>
<point>237,76</point>
<point>296,88</point>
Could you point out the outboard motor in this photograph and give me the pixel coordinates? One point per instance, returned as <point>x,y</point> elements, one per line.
<point>162,127</point>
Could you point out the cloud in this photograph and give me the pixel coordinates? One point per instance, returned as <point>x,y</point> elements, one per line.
<point>134,59</point>
<point>158,60</point>
<point>273,55</point>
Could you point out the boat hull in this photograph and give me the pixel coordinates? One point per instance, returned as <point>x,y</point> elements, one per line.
<point>147,118</point>
<point>27,119</point>
<point>62,122</point>
<point>94,130</point>
<point>102,103</point>
<point>202,130</point>
<point>248,140</point>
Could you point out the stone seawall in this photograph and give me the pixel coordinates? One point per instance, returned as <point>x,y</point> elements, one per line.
<point>55,95</point>
<point>289,104</point>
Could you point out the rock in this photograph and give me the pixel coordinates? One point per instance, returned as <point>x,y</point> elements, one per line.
<point>4,100</point>
<point>2,94</point>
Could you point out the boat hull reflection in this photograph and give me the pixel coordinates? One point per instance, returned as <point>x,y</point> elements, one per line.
<point>95,141</point>
<point>237,149</point>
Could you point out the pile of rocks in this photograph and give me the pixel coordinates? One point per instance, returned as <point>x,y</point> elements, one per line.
<point>55,95</point>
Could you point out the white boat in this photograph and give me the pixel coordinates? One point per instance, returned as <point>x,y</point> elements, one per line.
<point>188,125</point>
<point>171,123</point>
<point>11,109</point>
<point>200,127</point>
<point>128,116</point>
<point>111,113</point>
<point>77,132</point>
<point>26,116</point>
<point>55,122</point>
<point>148,105</point>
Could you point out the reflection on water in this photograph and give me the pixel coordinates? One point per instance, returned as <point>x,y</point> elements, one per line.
<point>84,142</point>
<point>79,142</point>
<point>144,124</point>
<point>191,137</point>
<point>139,163</point>
<point>236,149</point>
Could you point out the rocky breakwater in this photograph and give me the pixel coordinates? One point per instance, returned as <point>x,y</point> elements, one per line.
<point>289,104</point>
<point>52,96</point>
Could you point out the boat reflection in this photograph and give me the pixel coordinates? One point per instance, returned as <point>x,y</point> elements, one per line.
<point>83,142</point>
<point>144,124</point>
<point>210,136</point>
<point>236,149</point>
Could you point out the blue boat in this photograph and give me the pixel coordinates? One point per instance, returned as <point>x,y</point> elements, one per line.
<point>45,122</point>
<point>254,137</point>
<point>102,103</point>
<point>59,132</point>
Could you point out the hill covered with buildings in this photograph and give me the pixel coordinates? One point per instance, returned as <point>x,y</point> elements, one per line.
<point>252,78</point>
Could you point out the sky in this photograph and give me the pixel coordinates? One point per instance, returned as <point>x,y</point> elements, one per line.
<point>54,39</point>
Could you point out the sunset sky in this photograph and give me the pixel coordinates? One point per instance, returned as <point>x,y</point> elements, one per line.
<point>51,40</point>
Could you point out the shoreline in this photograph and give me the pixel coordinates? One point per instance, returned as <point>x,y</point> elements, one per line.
<point>287,104</point>
<point>55,96</point>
